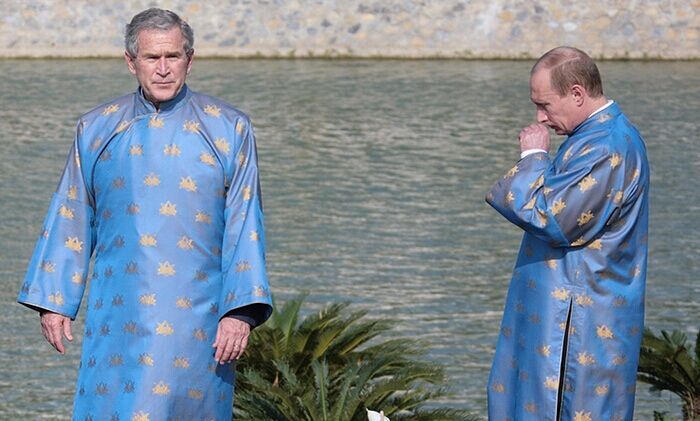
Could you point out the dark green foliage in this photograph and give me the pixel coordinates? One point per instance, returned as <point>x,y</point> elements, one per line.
<point>331,366</point>
<point>666,362</point>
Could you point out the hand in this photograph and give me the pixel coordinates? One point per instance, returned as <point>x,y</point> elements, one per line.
<point>231,339</point>
<point>534,136</point>
<point>55,326</point>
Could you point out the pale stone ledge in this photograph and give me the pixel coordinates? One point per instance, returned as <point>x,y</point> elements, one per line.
<point>664,29</point>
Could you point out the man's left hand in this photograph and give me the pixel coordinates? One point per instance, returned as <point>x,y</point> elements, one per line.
<point>231,339</point>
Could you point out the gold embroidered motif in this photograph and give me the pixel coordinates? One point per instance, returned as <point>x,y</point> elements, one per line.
<point>584,358</point>
<point>582,416</point>
<point>183,302</point>
<point>222,145</point>
<point>596,245</point>
<point>551,383</point>
<point>122,126</point>
<point>207,158</point>
<point>166,269</point>
<point>113,108</point>
<point>530,204</point>
<point>164,328</point>
<point>148,240</point>
<point>239,127</point>
<point>544,350</point>
<point>511,172</point>
<point>584,300</point>
<point>65,212</point>
<point>537,183</point>
<point>48,267</point>
<point>581,241</point>
<point>202,217</point>
<point>254,236</point>
<point>615,160</point>
<point>587,183</point>
<point>136,150</point>
<point>557,207</point>
<point>151,180</point>
<point>168,209</point>
<point>148,299</point>
<point>187,183</point>
<point>604,332</point>
<point>246,193</point>
<point>601,390</point>
<point>212,110</point>
<point>161,389</point>
<point>72,243</point>
<point>156,123</point>
<point>584,218</point>
<point>72,192</point>
<point>510,197</point>
<point>191,126</point>
<point>56,298</point>
<point>561,294</point>
<point>181,362</point>
<point>140,416</point>
<point>171,150</point>
<point>498,388</point>
<point>185,243</point>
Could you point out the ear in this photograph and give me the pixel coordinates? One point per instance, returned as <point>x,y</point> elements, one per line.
<point>130,63</point>
<point>578,94</point>
<point>189,62</point>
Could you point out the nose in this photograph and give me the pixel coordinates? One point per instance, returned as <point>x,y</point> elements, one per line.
<point>541,116</point>
<point>162,67</point>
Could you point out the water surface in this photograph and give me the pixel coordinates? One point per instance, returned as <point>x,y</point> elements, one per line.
<point>373,174</point>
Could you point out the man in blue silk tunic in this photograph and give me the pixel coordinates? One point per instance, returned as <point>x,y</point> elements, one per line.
<point>571,330</point>
<point>162,186</point>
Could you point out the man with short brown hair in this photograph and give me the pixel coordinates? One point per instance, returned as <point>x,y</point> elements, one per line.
<point>571,330</point>
<point>162,186</point>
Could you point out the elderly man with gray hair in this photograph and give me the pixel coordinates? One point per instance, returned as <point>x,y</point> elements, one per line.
<point>161,187</point>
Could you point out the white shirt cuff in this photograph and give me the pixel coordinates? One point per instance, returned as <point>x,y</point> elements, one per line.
<point>523,154</point>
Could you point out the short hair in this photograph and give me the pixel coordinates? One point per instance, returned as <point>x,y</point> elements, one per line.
<point>156,19</point>
<point>570,66</point>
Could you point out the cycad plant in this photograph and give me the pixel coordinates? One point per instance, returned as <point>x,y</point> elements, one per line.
<point>331,366</point>
<point>667,362</point>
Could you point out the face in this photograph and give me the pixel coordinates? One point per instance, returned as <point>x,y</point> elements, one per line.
<point>161,65</point>
<point>561,113</point>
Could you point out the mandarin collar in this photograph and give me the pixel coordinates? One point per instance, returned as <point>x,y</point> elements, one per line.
<point>611,111</point>
<point>165,106</point>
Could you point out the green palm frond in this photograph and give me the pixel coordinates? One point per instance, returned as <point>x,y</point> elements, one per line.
<point>667,363</point>
<point>332,365</point>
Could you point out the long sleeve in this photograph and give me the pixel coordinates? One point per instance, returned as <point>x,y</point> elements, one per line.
<point>57,272</point>
<point>569,206</point>
<point>243,253</point>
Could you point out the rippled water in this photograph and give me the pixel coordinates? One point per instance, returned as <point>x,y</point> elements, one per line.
<point>374,174</point>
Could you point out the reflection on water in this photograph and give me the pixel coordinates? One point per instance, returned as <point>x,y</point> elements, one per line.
<point>374,174</point>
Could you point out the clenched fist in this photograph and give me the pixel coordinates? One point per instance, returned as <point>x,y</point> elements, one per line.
<point>534,136</point>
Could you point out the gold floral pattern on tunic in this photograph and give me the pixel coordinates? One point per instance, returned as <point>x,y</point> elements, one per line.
<point>112,108</point>
<point>222,145</point>
<point>604,332</point>
<point>587,183</point>
<point>585,218</point>
<point>171,150</point>
<point>212,110</point>
<point>73,243</point>
<point>191,126</point>
<point>187,183</point>
<point>156,123</point>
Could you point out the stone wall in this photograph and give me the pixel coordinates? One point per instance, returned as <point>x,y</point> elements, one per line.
<point>668,29</point>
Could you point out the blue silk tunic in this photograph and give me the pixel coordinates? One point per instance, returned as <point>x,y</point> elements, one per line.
<point>169,202</point>
<point>582,263</point>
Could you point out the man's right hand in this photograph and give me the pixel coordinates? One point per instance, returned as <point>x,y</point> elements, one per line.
<point>534,136</point>
<point>55,326</point>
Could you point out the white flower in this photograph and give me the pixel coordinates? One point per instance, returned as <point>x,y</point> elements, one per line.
<point>376,416</point>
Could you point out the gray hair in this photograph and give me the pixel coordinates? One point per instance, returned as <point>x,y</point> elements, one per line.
<point>158,19</point>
